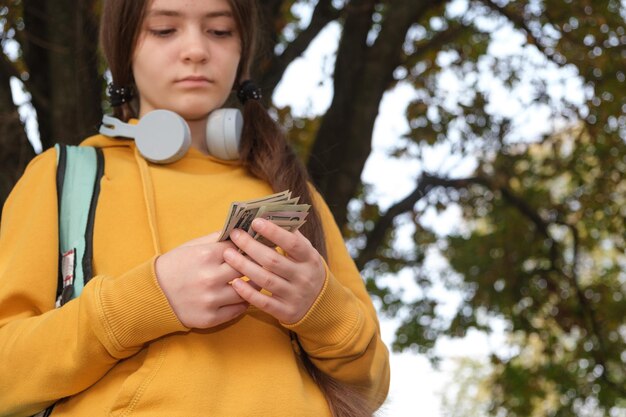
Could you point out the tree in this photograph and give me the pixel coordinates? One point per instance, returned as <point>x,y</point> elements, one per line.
<point>57,63</point>
<point>561,291</point>
<point>543,233</point>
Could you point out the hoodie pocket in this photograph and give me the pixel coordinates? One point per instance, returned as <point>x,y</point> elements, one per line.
<point>137,383</point>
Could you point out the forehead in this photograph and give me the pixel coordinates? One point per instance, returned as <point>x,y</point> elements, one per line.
<point>189,8</point>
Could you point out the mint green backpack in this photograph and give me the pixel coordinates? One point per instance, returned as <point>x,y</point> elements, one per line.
<point>79,170</point>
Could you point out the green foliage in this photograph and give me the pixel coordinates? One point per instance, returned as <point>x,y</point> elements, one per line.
<point>546,254</point>
<point>542,247</point>
<point>470,389</point>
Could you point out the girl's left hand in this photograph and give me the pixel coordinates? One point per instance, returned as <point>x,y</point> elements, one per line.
<point>295,280</point>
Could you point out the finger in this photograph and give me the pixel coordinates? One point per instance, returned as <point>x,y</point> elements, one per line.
<point>266,303</point>
<point>295,244</point>
<point>254,285</point>
<point>225,273</point>
<point>262,277</point>
<point>225,296</point>
<point>267,257</point>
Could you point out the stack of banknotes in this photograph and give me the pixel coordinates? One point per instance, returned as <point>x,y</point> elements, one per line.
<point>280,208</point>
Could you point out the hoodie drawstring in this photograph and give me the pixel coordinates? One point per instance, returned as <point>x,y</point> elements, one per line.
<point>148,196</point>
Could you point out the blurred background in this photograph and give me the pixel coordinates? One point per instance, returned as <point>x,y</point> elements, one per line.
<point>472,151</point>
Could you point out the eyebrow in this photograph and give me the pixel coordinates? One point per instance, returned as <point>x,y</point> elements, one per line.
<point>174,13</point>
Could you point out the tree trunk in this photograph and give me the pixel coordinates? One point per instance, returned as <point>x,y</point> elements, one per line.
<point>362,75</point>
<point>59,42</point>
<point>60,51</point>
<point>272,66</point>
<point>15,150</point>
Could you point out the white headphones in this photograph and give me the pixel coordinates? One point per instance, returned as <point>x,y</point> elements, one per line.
<point>163,136</point>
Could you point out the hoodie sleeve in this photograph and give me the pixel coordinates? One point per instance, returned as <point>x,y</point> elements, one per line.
<point>341,333</point>
<point>47,353</point>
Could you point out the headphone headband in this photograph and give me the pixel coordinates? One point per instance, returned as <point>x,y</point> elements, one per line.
<point>163,136</point>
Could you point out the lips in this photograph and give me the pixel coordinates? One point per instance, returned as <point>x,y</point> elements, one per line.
<point>194,79</point>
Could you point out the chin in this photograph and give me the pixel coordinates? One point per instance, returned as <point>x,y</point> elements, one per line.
<point>193,115</point>
<point>196,110</point>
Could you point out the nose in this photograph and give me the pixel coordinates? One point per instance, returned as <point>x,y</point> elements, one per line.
<point>194,47</point>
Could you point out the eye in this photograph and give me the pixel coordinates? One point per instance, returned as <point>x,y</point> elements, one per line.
<point>162,33</point>
<point>221,33</point>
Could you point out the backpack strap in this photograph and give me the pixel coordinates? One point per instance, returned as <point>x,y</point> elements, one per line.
<point>79,171</point>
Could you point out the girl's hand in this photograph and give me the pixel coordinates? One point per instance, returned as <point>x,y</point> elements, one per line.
<point>195,281</point>
<point>294,280</point>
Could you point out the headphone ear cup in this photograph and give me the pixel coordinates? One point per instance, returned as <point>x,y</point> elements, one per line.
<point>162,136</point>
<point>223,133</point>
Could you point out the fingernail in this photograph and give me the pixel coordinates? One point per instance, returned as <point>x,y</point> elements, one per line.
<point>228,254</point>
<point>258,224</point>
<point>235,233</point>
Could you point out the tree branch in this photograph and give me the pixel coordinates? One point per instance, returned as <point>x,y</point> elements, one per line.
<point>377,235</point>
<point>362,75</point>
<point>427,183</point>
<point>323,14</point>
<point>589,314</point>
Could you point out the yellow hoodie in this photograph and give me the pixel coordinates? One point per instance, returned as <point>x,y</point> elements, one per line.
<point>119,349</point>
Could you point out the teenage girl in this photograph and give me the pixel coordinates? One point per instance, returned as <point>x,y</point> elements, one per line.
<point>173,322</point>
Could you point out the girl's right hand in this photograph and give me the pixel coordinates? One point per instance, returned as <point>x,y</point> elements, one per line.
<point>195,279</point>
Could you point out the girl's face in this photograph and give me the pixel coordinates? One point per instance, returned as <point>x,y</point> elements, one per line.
<point>186,57</point>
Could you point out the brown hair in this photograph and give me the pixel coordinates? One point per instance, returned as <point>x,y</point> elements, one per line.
<point>264,149</point>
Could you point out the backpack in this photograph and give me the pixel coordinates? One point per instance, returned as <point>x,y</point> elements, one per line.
<point>79,170</point>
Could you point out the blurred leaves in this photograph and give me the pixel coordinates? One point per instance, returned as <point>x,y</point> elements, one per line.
<point>542,244</point>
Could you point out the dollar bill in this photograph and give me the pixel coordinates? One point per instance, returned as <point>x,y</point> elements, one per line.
<point>238,208</point>
<point>280,208</point>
